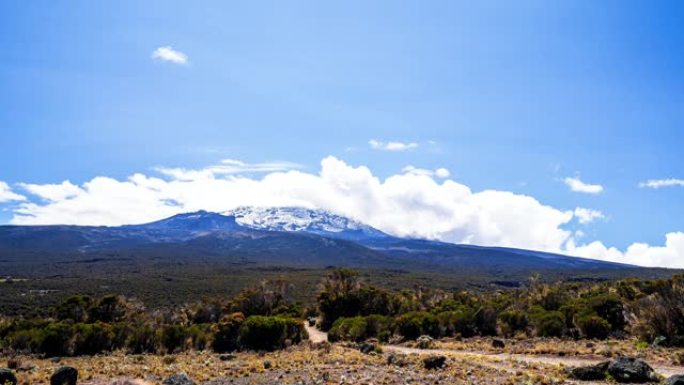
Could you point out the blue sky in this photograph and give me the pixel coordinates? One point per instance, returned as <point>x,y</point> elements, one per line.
<point>508,96</point>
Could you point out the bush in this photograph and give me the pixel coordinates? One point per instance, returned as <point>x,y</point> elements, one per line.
<point>54,340</point>
<point>461,322</point>
<point>173,338</point>
<point>485,321</point>
<point>142,338</point>
<point>90,339</point>
<point>361,328</point>
<point>413,325</point>
<point>549,323</point>
<point>348,329</point>
<point>594,327</point>
<point>270,333</point>
<point>513,321</point>
<point>611,309</point>
<point>227,332</point>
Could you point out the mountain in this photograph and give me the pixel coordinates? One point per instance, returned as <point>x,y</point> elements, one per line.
<point>286,236</point>
<point>298,219</point>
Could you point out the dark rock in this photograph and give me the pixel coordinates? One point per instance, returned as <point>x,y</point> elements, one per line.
<point>590,373</point>
<point>367,347</point>
<point>675,380</point>
<point>396,359</point>
<point>498,344</point>
<point>179,379</point>
<point>425,342</point>
<point>631,370</point>
<point>66,375</point>
<point>311,321</point>
<point>7,377</point>
<point>227,357</point>
<point>434,362</point>
<point>268,364</point>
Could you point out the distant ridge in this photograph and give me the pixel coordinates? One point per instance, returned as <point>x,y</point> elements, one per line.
<point>285,236</point>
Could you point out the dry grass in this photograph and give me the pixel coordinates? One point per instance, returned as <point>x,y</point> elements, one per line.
<point>339,364</point>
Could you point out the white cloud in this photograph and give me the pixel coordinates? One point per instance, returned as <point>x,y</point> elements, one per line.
<point>658,183</point>
<point>577,185</point>
<point>669,255</point>
<point>585,215</point>
<point>227,167</point>
<point>406,204</point>
<point>7,195</point>
<point>170,55</point>
<point>53,192</point>
<point>440,172</point>
<point>391,146</point>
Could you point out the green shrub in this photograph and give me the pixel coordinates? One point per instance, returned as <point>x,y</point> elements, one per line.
<point>227,332</point>
<point>172,338</point>
<point>75,308</point>
<point>611,309</point>
<point>594,327</point>
<point>461,322</point>
<point>270,333</point>
<point>348,329</point>
<point>90,339</point>
<point>549,323</point>
<point>513,321</point>
<point>413,325</point>
<point>485,321</point>
<point>142,338</point>
<point>379,326</point>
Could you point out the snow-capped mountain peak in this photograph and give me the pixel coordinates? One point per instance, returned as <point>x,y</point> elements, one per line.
<point>299,219</point>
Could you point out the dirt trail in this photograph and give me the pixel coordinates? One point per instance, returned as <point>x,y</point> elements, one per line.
<point>316,335</point>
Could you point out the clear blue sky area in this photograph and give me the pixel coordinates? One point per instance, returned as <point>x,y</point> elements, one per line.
<point>508,95</point>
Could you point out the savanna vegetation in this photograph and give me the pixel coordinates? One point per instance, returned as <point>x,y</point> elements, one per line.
<point>266,316</point>
<point>651,310</point>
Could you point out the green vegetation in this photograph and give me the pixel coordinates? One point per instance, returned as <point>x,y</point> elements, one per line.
<point>85,326</point>
<point>357,311</point>
<point>267,316</point>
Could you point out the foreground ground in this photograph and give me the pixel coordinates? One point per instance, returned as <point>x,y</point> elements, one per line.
<point>468,362</point>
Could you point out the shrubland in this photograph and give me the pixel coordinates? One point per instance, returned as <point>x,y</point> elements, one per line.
<point>265,317</point>
<point>651,310</point>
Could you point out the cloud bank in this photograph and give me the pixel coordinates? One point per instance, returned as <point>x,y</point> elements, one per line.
<point>419,204</point>
<point>168,54</point>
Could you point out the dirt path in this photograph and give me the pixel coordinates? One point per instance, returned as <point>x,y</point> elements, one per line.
<point>316,335</point>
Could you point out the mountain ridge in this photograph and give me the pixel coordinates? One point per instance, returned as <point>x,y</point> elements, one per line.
<point>285,235</point>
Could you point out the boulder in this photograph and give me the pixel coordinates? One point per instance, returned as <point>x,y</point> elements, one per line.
<point>396,359</point>
<point>590,373</point>
<point>179,379</point>
<point>7,377</point>
<point>425,342</point>
<point>631,370</point>
<point>66,375</point>
<point>227,357</point>
<point>367,347</point>
<point>675,380</point>
<point>434,362</point>
<point>311,321</point>
<point>498,344</point>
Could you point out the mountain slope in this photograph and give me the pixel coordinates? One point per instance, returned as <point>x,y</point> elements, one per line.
<point>281,236</point>
<point>298,219</point>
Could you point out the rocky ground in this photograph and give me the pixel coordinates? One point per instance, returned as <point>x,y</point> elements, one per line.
<point>318,363</point>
